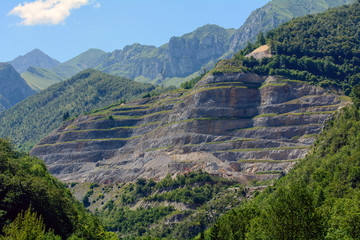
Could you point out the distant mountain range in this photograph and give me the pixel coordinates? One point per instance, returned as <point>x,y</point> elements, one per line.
<point>35,58</point>
<point>182,58</point>
<point>41,78</point>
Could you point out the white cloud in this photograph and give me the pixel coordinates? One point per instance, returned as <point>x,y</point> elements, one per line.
<point>50,12</point>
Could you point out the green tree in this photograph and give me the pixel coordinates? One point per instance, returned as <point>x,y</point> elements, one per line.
<point>28,226</point>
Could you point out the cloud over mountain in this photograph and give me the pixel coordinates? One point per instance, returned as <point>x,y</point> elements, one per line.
<point>46,12</point>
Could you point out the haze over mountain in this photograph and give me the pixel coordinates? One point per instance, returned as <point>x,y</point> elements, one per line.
<point>13,87</point>
<point>41,78</point>
<point>35,58</point>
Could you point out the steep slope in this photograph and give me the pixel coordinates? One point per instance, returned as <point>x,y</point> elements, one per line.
<point>241,125</point>
<point>28,122</point>
<point>318,199</point>
<point>40,78</point>
<point>35,58</point>
<point>13,87</point>
<point>79,63</point>
<point>273,14</point>
<point>26,184</point>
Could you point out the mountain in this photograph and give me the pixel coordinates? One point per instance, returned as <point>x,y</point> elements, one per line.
<point>79,63</point>
<point>38,115</point>
<point>181,57</point>
<point>318,199</point>
<point>248,115</point>
<point>35,58</point>
<point>235,124</point>
<point>41,78</point>
<point>13,87</point>
<point>273,14</point>
<point>192,53</point>
<point>185,57</point>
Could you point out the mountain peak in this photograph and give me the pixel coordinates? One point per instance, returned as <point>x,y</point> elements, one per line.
<point>34,58</point>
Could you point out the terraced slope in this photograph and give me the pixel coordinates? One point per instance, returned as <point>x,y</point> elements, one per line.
<point>238,125</point>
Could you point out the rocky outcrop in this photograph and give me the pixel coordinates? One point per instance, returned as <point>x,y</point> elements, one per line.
<point>181,57</point>
<point>239,125</point>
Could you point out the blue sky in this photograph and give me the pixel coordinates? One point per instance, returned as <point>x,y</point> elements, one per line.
<point>66,28</point>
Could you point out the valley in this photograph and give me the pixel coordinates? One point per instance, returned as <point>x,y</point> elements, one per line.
<point>249,133</point>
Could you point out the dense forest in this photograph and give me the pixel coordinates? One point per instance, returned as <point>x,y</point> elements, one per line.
<point>35,205</point>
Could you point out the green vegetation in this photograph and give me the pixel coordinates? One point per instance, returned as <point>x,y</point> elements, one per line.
<point>79,63</point>
<point>35,205</point>
<point>38,115</point>
<point>320,49</point>
<point>191,83</point>
<point>200,193</point>
<point>40,78</point>
<point>318,199</point>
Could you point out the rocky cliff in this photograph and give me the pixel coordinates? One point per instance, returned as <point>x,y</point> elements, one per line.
<point>181,57</point>
<point>239,125</point>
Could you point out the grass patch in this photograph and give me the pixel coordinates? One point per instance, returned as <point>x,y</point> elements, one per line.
<point>256,128</point>
<point>272,85</point>
<point>293,113</point>
<point>266,115</point>
<point>266,161</point>
<point>265,149</point>
<point>220,142</point>
<point>90,140</point>
<point>269,173</point>
<point>115,128</point>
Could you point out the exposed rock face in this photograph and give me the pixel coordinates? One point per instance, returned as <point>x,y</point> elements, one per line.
<point>238,125</point>
<point>13,87</point>
<point>187,54</point>
<point>181,57</point>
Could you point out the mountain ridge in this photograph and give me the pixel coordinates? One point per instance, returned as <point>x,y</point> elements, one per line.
<point>34,58</point>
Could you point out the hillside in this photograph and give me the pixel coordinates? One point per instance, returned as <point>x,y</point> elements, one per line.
<point>232,124</point>
<point>321,49</point>
<point>13,87</point>
<point>35,58</point>
<point>40,78</point>
<point>26,185</point>
<point>27,122</point>
<point>79,63</point>
<point>318,199</point>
